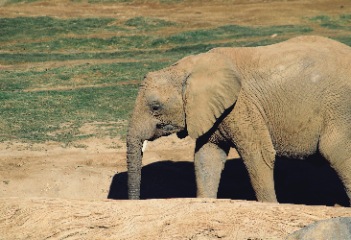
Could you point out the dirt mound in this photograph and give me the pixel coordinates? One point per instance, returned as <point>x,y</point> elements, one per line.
<point>62,176</point>
<point>39,218</point>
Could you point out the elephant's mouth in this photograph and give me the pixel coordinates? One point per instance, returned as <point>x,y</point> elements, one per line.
<point>163,129</point>
<point>167,128</point>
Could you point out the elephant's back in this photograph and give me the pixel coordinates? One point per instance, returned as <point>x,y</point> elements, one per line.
<point>308,44</point>
<point>300,83</point>
<point>297,84</point>
<point>319,43</point>
<point>305,58</point>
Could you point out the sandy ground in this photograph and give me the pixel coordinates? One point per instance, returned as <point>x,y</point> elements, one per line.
<point>51,192</point>
<point>48,191</point>
<point>50,170</point>
<point>154,219</point>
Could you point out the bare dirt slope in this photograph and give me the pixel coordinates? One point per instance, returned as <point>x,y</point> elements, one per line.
<point>52,192</point>
<point>38,218</point>
<point>49,192</point>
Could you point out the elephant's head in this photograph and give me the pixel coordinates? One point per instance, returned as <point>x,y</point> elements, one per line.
<point>185,98</point>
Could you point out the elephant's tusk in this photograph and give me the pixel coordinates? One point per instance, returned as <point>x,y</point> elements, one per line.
<point>144,146</point>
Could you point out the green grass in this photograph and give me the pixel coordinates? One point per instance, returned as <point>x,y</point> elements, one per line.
<point>134,1</point>
<point>224,33</point>
<point>33,106</point>
<point>342,22</point>
<point>15,58</point>
<point>110,1</point>
<point>18,58</point>
<point>76,76</point>
<point>19,1</point>
<point>145,24</point>
<point>229,33</point>
<point>42,27</point>
<point>82,44</point>
<point>137,37</point>
<point>344,39</point>
<point>34,116</point>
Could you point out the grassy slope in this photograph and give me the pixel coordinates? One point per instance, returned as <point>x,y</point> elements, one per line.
<point>42,101</point>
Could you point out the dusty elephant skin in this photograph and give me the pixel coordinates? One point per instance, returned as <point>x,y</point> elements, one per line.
<point>290,99</point>
<point>335,228</point>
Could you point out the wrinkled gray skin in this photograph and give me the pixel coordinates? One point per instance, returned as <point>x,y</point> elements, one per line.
<point>330,229</point>
<point>288,99</point>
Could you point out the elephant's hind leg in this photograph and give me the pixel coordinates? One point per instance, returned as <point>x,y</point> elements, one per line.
<point>335,146</point>
<point>209,163</point>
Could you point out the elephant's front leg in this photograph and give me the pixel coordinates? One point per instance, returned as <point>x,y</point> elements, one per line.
<point>209,163</point>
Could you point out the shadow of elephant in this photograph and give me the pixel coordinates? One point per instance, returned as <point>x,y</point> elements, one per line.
<point>310,181</point>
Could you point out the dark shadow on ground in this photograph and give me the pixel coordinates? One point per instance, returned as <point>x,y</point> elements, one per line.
<point>310,181</point>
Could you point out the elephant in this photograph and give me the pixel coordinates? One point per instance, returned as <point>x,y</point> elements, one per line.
<point>290,99</point>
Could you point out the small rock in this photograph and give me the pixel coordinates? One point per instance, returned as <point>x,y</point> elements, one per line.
<point>335,228</point>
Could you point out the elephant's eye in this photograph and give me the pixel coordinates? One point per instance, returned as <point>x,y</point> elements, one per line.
<point>156,107</point>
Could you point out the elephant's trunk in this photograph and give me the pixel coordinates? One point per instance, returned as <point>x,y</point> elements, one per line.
<point>141,128</point>
<point>134,157</point>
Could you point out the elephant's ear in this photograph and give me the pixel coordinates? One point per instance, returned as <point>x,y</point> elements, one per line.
<point>212,87</point>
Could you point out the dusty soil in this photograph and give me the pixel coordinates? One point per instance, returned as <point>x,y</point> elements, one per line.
<point>39,218</point>
<point>48,191</point>
<point>51,192</point>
